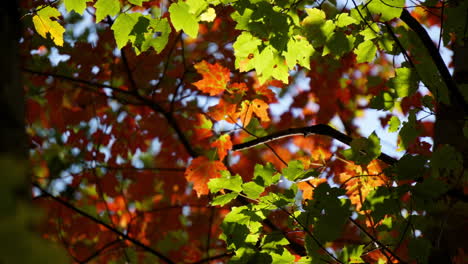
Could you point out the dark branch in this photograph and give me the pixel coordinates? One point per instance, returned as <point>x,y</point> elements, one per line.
<point>224,255</point>
<point>99,222</point>
<point>136,96</point>
<point>435,55</point>
<point>319,129</point>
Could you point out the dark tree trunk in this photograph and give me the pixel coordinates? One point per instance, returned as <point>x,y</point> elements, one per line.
<point>450,229</point>
<point>12,129</point>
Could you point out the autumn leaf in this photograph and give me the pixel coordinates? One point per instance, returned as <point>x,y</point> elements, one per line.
<point>222,144</point>
<point>238,88</point>
<point>223,111</point>
<point>260,108</point>
<point>46,26</point>
<point>200,171</point>
<point>246,113</point>
<point>307,187</point>
<point>202,127</point>
<point>214,78</point>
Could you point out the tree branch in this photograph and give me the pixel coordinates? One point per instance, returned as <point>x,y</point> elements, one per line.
<point>135,95</point>
<point>319,129</point>
<point>435,55</point>
<point>100,222</point>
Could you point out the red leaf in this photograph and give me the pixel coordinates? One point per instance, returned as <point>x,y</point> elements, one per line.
<point>222,144</point>
<point>200,171</point>
<point>215,78</point>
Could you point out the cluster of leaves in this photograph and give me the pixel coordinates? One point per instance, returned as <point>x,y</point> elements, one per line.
<point>139,114</point>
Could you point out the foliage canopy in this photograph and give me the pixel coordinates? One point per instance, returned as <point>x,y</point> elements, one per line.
<point>215,131</point>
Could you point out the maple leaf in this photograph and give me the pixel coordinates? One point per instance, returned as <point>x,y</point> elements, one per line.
<point>200,171</point>
<point>246,113</point>
<point>223,110</point>
<point>257,106</point>
<point>307,187</point>
<point>202,128</point>
<point>260,109</point>
<point>238,88</point>
<point>222,144</point>
<point>215,78</point>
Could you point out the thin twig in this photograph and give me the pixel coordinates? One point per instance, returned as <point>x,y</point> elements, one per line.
<point>109,227</point>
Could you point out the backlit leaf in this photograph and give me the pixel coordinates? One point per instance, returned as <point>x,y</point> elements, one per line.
<point>214,78</point>
<point>106,8</point>
<point>199,172</point>
<point>45,26</point>
<point>388,9</point>
<point>76,5</point>
<point>365,51</point>
<point>222,144</point>
<point>182,19</point>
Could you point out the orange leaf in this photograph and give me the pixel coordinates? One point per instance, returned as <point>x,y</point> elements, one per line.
<point>215,78</point>
<point>223,110</point>
<point>200,171</point>
<point>223,144</point>
<point>260,108</point>
<point>238,88</point>
<point>202,128</point>
<point>246,113</point>
<point>307,187</point>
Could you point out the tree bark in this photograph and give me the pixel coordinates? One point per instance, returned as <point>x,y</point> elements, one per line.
<point>12,128</point>
<point>447,235</point>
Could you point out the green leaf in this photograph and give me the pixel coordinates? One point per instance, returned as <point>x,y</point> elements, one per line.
<point>46,26</point>
<point>281,256</point>
<point>411,167</point>
<point>316,28</point>
<point>264,62</point>
<point>244,215</point>
<point>245,47</point>
<point>352,254</point>
<point>299,51</point>
<point>106,8</point>
<point>365,51</point>
<point>409,131</point>
<point>137,2</point>
<point>363,150</point>
<point>160,27</point>
<point>315,16</point>
<point>294,170</point>
<point>452,26</point>
<point>343,20</point>
<point>183,19</point>
<point>383,101</point>
<point>446,157</point>
<point>123,26</point>
<point>224,199</point>
<point>265,175</point>
<point>370,32</point>
<point>338,44</point>
<point>388,9</point>
<point>226,181</point>
<point>405,82</point>
<point>393,124</point>
<point>76,5</point>
<point>419,249</point>
<point>196,7</point>
<point>429,189</point>
<point>252,189</point>
<point>334,212</point>
<point>381,201</point>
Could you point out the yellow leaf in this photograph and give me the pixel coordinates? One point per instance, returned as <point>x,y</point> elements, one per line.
<point>46,26</point>
<point>209,15</point>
